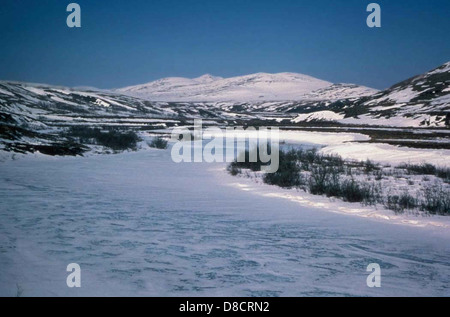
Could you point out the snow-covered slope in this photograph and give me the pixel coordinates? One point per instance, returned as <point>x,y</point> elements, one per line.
<point>33,116</point>
<point>49,104</point>
<point>340,91</point>
<point>325,115</point>
<point>255,87</point>
<point>419,101</point>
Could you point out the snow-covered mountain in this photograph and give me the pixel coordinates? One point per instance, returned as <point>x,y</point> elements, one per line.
<point>34,117</point>
<point>340,91</point>
<point>249,88</point>
<point>38,116</point>
<point>423,100</point>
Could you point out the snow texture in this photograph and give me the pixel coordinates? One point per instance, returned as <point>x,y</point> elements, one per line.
<point>140,225</point>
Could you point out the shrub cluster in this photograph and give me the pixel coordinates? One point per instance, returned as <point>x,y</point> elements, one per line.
<point>249,159</point>
<point>159,143</point>
<point>112,138</point>
<point>428,169</point>
<point>288,174</point>
<point>330,175</point>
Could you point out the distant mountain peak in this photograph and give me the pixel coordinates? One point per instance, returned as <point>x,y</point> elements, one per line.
<point>207,78</point>
<point>253,87</point>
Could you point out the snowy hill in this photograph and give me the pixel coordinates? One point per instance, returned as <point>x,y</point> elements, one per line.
<point>255,87</point>
<point>34,116</point>
<point>419,101</point>
<point>340,91</point>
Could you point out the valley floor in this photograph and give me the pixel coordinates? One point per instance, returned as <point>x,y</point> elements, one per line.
<point>140,225</point>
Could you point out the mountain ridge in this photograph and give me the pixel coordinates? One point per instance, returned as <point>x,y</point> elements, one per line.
<point>38,117</point>
<point>422,100</point>
<point>284,86</point>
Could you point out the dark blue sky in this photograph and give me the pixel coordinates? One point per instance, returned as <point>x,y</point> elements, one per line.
<point>124,43</point>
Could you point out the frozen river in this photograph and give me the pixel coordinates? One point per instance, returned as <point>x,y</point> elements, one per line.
<point>140,225</point>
